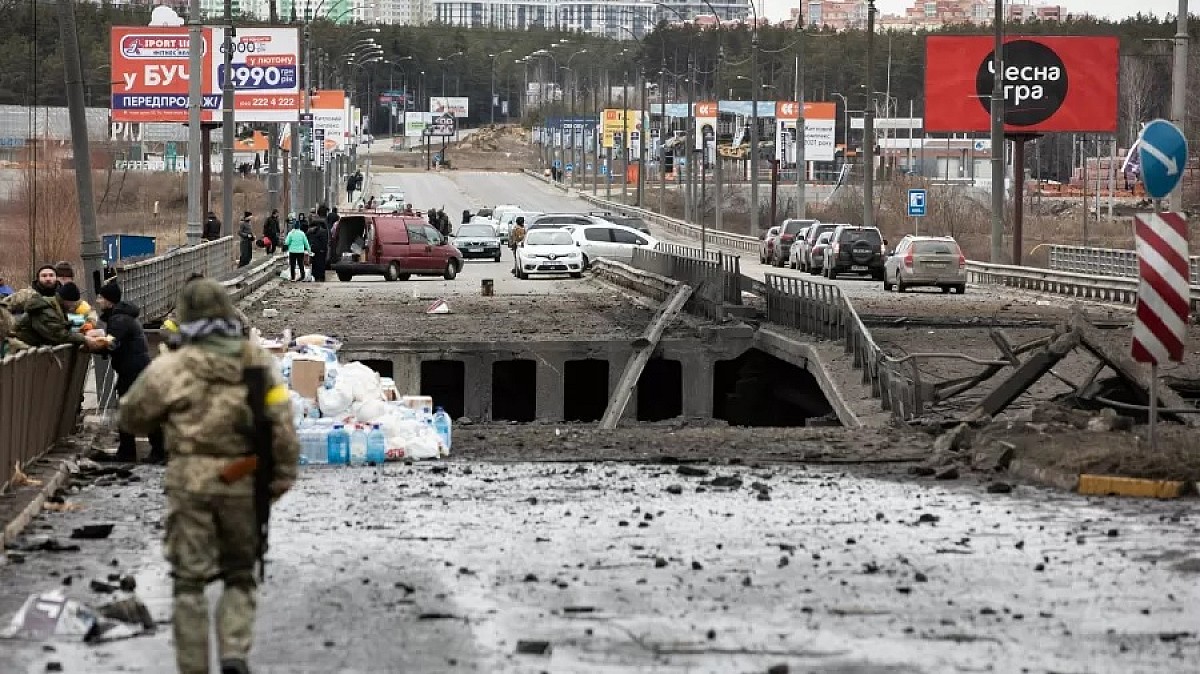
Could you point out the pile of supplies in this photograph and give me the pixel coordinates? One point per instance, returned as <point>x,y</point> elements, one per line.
<point>346,414</point>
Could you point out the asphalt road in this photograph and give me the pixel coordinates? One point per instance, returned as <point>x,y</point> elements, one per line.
<point>434,568</point>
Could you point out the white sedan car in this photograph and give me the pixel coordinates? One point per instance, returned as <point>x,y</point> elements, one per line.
<point>611,241</point>
<point>549,251</point>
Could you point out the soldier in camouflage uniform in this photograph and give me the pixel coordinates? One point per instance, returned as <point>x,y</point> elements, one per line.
<point>197,396</point>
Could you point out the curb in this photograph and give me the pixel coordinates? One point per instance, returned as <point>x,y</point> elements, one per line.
<point>1049,477</point>
<point>1088,484</point>
<point>34,507</point>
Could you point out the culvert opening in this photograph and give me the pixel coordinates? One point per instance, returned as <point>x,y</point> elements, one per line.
<point>758,389</point>
<point>514,390</point>
<point>445,381</point>
<point>381,367</point>
<point>585,385</point>
<point>660,390</point>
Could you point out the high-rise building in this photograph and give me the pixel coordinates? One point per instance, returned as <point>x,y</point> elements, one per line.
<point>337,11</point>
<point>923,14</point>
<point>617,19</point>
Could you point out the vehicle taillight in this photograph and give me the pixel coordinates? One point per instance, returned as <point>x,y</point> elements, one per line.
<point>786,237</point>
<point>962,261</point>
<point>908,260</point>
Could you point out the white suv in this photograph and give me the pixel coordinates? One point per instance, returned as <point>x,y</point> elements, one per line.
<point>614,242</point>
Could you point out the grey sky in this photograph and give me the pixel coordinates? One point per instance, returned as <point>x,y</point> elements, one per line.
<point>779,9</point>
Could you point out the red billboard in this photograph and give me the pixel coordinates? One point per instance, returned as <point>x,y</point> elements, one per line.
<point>1051,83</point>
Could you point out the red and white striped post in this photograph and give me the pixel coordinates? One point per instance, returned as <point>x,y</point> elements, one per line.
<point>1160,328</point>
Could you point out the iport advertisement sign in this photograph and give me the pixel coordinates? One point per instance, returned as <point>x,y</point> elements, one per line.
<point>1051,83</point>
<point>150,74</point>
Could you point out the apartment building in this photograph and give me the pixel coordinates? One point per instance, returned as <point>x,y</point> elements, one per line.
<point>617,19</point>
<point>922,14</point>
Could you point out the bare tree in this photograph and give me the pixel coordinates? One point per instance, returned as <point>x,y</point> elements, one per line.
<point>1139,82</point>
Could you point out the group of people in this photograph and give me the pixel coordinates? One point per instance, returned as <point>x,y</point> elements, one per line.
<point>52,311</point>
<point>307,242</point>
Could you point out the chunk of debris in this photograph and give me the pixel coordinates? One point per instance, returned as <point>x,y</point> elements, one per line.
<point>530,647</point>
<point>92,532</point>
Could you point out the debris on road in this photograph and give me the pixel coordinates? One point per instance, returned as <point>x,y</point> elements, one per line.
<point>92,532</point>
<point>50,614</point>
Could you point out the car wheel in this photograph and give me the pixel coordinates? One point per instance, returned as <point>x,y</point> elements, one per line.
<point>576,274</point>
<point>900,285</point>
<point>451,270</point>
<point>887,285</point>
<point>877,275</point>
<point>960,288</point>
<point>393,272</point>
<point>343,276</point>
<point>587,264</point>
<point>405,277</point>
<point>945,290</point>
<point>814,271</point>
<point>497,258</point>
<point>522,275</point>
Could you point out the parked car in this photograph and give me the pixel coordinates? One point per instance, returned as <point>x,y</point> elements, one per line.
<point>614,242</point>
<point>789,232</point>
<point>394,246</point>
<point>816,254</point>
<point>549,251</point>
<point>477,240</point>
<point>804,256</point>
<point>766,244</point>
<point>564,220</point>
<point>500,211</point>
<point>633,221</point>
<point>854,249</point>
<point>926,261</point>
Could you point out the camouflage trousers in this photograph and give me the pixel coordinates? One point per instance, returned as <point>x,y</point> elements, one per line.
<point>211,538</point>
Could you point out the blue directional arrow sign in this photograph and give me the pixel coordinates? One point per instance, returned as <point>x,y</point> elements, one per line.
<point>1164,152</point>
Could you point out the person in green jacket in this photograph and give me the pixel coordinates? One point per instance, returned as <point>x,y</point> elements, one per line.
<point>297,247</point>
<point>46,320</point>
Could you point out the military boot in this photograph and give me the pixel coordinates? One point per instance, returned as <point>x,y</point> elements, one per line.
<point>234,666</point>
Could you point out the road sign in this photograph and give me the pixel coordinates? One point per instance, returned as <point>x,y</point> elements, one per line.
<point>604,169</point>
<point>570,168</point>
<point>1164,153</point>
<point>443,125</point>
<point>557,163</point>
<point>916,203</point>
<point>1160,328</point>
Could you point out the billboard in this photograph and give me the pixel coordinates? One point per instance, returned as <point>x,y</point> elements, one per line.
<point>616,126</point>
<point>820,122</point>
<point>1050,84</point>
<point>706,124</point>
<point>150,74</point>
<point>331,117</point>
<point>453,105</point>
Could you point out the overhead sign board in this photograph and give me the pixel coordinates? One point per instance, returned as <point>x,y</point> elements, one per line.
<point>1050,83</point>
<point>150,74</point>
<point>457,106</point>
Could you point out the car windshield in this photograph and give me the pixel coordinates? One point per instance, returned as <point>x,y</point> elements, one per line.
<point>484,212</point>
<point>549,238</point>
<point>794,226</point>
<point>870,235</point>
<point>935,248</point>
<point>824,238</point>
<point>477,230</point>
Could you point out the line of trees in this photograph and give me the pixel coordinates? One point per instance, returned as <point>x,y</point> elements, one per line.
<point>466,62</point>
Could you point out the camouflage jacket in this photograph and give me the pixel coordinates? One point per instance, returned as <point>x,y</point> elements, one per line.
<point>197,397</point>
<point>8,345</point>
<point>45,323</point>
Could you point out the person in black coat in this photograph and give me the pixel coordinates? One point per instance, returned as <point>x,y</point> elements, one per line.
<point>271,231</point>
<point>129,354</point>
<point>212,227</point>
<point>318,238</point>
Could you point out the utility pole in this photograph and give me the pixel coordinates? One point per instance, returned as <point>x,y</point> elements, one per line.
<point>195,219</point>
<point>227,126</point>
<point>690,142</point>
<point>801,160</point>
<point>755,85</point>
<point>1179,90</point>
<point>662,134</point>
<point>998,136</point>
<point>90,247</point>
<point>273,142</point>
<point>643,139</point>
<point>869,124</point>
<point>716,139</point>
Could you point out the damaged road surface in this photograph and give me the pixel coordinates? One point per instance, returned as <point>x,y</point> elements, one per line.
<point>610,567</point>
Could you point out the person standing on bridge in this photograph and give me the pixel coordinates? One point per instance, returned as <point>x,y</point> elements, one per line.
<point>219,438</point>
<point>212,227</point>
<point>297,247</point>
<point>245,239</point>
<point>515,237</point>
<point>318,239</point>
<point>130,355</point>
<point>271,231</point>
<point>46,321</point>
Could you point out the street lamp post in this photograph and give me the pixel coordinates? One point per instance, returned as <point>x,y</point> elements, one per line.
<point>997,162</point>
<point>801,159</point>
<point>869,125</point>
<point>754,208</point>
<point>492,100</point>
<point>1179,90</point>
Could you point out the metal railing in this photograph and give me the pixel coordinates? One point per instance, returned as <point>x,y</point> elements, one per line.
<point>154,284</point>
<point>1116,289</point>
<point>1112,262</point>
<point>708,279</point>
<point>41,391</point>
<point>822,309</point>
<point>731,267</point>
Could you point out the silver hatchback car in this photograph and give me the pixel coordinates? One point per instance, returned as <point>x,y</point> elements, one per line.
<point>926,261</point>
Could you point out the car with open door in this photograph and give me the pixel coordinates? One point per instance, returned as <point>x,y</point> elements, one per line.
<point>396,247</point>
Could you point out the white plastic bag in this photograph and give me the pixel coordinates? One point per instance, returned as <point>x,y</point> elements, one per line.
<point>362,380</point>
<point>336,401</point>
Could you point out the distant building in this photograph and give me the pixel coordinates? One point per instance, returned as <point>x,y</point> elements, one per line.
<point>616,19</point>
<point>922,14</point>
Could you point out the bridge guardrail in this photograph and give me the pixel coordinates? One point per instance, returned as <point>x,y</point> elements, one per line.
<point>1121,290</point>
<point>708,278</point>
<point>153,284</point>
<point>41,391</point>
<point>731,268</point>
<point>1112,262</point>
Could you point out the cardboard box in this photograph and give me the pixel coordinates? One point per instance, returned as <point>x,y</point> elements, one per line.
<point>308,376</point>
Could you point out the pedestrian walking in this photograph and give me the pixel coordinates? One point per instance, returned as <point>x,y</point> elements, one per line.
<point>351,183</point>
<point>318,239</point>
<point>271,231</point>
<point>515,237</point>
<point>297,247</point>
<point>466,219</point>
<point>246,239</point>
<point>232,450</point>
<point>332,217</point>
<point>212,227</point>
<point>130,355</point>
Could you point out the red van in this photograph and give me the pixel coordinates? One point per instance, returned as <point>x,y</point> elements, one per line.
<point>394,246</point>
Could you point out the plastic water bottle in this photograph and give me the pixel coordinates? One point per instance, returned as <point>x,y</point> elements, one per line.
<point>376,446</point>
<point>358,446</point>
<point>314,412</point>
<point>317,447</point>
<point>443,426</point>
<point>338,446</point>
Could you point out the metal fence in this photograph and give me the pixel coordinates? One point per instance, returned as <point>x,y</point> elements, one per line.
<point>731,268</point>
<point>1105,262</point>
<point>822,309</point>
<point>708,278</point>
<point>41,391</point>
<point>154,284</point>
